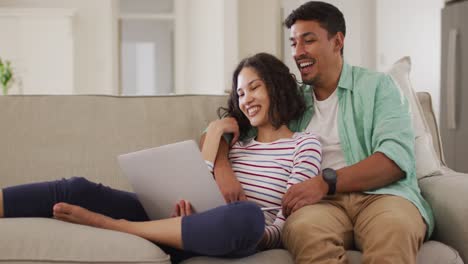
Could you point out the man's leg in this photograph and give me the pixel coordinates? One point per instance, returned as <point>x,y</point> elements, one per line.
<point>388,229</point>
<point>319,233</point>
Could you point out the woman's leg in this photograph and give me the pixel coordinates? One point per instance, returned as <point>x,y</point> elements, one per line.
<point>233,230</point>
<point>37,199</point>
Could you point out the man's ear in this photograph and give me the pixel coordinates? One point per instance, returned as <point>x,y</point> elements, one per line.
<point>338,41</point>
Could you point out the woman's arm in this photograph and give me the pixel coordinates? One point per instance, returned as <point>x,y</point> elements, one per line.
<point>227,182</point>
<point>213,135</point>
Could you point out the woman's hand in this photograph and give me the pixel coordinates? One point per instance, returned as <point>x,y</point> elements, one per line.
<point>214,134</point>
<point>228,184</point>
<point>226,125</point>
<point>182,208</point>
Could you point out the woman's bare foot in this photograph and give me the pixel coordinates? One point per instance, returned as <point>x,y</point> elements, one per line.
<point>79,215</point>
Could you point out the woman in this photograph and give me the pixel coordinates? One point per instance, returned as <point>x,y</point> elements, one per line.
<point>264,96</point>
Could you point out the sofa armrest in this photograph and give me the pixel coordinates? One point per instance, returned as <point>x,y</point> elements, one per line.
<point>446,193</point>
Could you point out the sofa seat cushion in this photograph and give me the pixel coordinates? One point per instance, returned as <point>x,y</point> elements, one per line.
<point>432,252</point>
<point>42,240</point>
<point>29,240</point>
<point>274,256</point>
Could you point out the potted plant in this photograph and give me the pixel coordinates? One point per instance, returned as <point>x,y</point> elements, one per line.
<point>5,75</point>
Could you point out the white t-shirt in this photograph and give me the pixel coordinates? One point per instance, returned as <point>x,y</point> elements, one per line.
<point>324,123</point>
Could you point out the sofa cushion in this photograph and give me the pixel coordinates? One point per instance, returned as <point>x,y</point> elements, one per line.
<point>427,161</point>
<point>447,196</point>
<point>45,240</point>
<point>274,256</point>
<point>56,136</point>
<point>431,252</point>
<point>425,100</point>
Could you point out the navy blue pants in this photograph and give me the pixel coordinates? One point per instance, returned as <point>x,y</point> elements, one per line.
<point>232,230</point>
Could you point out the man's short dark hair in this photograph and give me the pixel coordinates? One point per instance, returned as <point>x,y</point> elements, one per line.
<point>328,16</point>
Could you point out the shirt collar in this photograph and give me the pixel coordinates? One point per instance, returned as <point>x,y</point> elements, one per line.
<point>346,77</point>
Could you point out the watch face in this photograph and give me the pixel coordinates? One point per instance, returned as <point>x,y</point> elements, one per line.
<point>329,175</point>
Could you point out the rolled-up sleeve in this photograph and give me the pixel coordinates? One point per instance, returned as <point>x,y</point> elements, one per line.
<point>393,133</point>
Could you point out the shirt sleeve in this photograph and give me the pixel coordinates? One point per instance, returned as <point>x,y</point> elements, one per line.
<point>307,159</point>
<point>210,166</point>
<point>273,232</point>
<point>393,133</point>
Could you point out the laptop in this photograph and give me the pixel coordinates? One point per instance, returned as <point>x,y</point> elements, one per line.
<point>162,176</point>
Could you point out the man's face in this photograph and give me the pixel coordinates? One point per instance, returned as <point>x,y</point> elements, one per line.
<point>313,50</point>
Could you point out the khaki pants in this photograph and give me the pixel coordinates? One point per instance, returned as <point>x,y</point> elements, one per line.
<point>386,228</point>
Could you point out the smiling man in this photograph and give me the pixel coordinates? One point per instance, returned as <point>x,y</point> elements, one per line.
<point>366,196</point>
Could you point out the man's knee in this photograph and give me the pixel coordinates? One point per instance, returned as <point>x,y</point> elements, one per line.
<point>401,226</point>
<point>296,223</point>
<point>306,224</point>
<point>317,234</point>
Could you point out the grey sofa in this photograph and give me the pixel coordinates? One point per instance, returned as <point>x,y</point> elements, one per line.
<point>51,137</point>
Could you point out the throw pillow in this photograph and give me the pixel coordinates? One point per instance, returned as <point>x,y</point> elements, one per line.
<point>427,161</point>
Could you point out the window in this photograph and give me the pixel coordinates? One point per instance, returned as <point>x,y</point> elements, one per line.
<point>147,47</point>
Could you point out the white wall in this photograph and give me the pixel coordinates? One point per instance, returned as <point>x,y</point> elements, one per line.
<point>217,35</point>
<point>95,56</point>
<point>39,43</point>
<point>260,27</point>
<point>254,27</point>
<point>231,41</point>
<point>412,28</point>
<point>201,39</point>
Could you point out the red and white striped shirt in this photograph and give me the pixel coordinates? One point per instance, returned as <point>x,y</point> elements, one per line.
<point>267,170</point>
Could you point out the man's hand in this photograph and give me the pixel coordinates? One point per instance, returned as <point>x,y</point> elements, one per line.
<point>304,193</point>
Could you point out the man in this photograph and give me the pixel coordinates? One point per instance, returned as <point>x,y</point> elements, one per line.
<point>367,195</point>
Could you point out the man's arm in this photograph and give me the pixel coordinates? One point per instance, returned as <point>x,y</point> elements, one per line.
<point>371,173</point>
<point>392,141</point>
<point>374,172</point>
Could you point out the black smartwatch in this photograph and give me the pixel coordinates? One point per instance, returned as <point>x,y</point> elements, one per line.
<point>329,176</point>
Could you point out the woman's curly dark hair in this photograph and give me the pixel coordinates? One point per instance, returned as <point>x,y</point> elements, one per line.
<point>286,101</point>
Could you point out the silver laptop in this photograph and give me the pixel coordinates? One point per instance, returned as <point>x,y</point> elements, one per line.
<point>162,176</point>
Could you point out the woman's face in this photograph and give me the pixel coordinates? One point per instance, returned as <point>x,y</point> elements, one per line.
<point>253,97</point>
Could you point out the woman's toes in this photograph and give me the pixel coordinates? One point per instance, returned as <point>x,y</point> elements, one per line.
<point>62,208</point>
<point>76,214</point>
